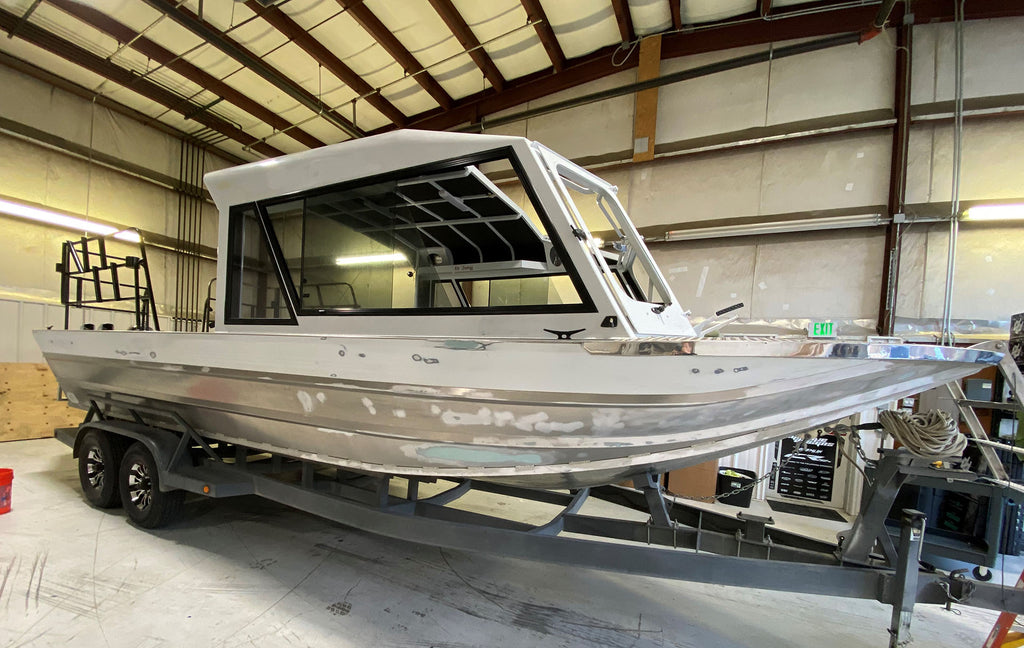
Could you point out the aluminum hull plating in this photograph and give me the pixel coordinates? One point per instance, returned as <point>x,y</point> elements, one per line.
<point>528,412</point>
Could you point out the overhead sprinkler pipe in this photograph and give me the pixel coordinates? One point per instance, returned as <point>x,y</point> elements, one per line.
<point>958,134</point>
<point>675,77</point>
<point>878,24</point>
<point>772,53</point>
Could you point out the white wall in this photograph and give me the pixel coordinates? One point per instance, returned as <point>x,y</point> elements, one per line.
<point>780,276</point>
<point>833,274</point>
<point>24,316</point>
<point>34,173</point>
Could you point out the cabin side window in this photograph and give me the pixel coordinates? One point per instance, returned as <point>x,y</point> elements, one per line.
<point>446,241</point>
<point>255,293</point>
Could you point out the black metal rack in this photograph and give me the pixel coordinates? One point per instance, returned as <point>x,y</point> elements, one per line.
<point>92,277</point>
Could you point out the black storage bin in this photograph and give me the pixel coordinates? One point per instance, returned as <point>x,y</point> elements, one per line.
<point>1012,538</point>
<point>727,483</point>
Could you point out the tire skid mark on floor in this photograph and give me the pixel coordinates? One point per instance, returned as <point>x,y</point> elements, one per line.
<point>7,575</point>
<point>498,603</point>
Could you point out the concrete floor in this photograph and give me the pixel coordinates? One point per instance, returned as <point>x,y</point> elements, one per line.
<point>248,572</point>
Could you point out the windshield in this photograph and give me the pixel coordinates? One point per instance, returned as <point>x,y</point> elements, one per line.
<point>624,259</point>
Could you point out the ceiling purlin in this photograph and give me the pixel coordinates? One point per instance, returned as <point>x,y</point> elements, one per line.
<point>282,23</point>
<point>98,65</point>
<point>457,24</point>
<point>373,26</point>
<point>714,38</point>
<point>179,14</point>
<point>125,34</point>
<point>535,14</point>
<point>624,20</point>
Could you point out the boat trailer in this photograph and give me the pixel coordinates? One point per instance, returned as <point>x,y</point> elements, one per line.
<point>676,540</point>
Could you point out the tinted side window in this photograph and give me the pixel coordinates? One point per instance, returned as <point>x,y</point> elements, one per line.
<point>254,291</point>
<point>445,240</point>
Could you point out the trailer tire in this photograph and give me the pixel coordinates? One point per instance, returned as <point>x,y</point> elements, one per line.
<point>143,501</point>
<point>99,462</point>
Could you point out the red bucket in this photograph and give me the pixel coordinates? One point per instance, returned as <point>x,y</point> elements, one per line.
<point>6,480</point>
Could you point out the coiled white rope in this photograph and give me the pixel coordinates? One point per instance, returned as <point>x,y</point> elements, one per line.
<point>933,435</point>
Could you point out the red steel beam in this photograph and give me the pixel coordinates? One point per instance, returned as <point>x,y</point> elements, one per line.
<point>677,19</point>
<point>926,11</point>
<point>373,26</point>
<point>124,34</point>
<point>451,17</point>
<point>624,19</point>
<point>764,8</point>
<point>897,182</point>
<point>284,24</point>
<point>534,86</point>
<point>177,12</point>
<point>598,64</point>
<point>535,14</point>
<point>101,66</point>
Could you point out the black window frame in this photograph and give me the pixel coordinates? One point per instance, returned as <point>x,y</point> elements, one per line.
<point>505,153</point>
<point>236,220</point>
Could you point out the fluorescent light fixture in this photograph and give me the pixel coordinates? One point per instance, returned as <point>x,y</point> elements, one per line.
<point>995,213</point>
<point>370,258</point>
<point>129,235</point>
<point>63,220</point>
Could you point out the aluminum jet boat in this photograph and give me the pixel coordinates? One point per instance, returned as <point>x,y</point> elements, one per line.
<point>434,305</point>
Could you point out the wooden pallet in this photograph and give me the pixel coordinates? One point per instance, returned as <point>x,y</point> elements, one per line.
<point>29,408</point>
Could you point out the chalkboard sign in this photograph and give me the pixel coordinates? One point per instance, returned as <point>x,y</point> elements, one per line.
<point>810,472</point>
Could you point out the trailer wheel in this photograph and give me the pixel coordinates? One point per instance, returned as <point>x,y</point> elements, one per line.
<point>144,502</point>
<point>99,458</point>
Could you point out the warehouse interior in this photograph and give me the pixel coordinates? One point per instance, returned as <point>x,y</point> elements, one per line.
<point>854,163</point>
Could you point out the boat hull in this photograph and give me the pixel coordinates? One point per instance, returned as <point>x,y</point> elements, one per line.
<point>534,413</point>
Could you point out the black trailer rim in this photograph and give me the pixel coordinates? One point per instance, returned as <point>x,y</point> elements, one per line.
<point>94,468</point>
<point>140,486</point>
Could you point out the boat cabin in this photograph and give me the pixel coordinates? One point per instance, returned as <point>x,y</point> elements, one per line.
<point>418,233</point>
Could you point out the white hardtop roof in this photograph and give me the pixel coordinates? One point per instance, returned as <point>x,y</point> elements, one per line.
<point>349,160</point>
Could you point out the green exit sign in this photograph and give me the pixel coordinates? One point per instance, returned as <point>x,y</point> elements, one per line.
<point>821,330</point>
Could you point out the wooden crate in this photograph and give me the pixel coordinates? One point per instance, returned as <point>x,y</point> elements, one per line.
<point>29,408</point>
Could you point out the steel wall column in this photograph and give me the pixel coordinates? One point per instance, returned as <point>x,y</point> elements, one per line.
<point>897,179</point>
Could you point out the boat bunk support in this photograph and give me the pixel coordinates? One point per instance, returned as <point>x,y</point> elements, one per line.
<point>870,541</point>
<point>650,485</point>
